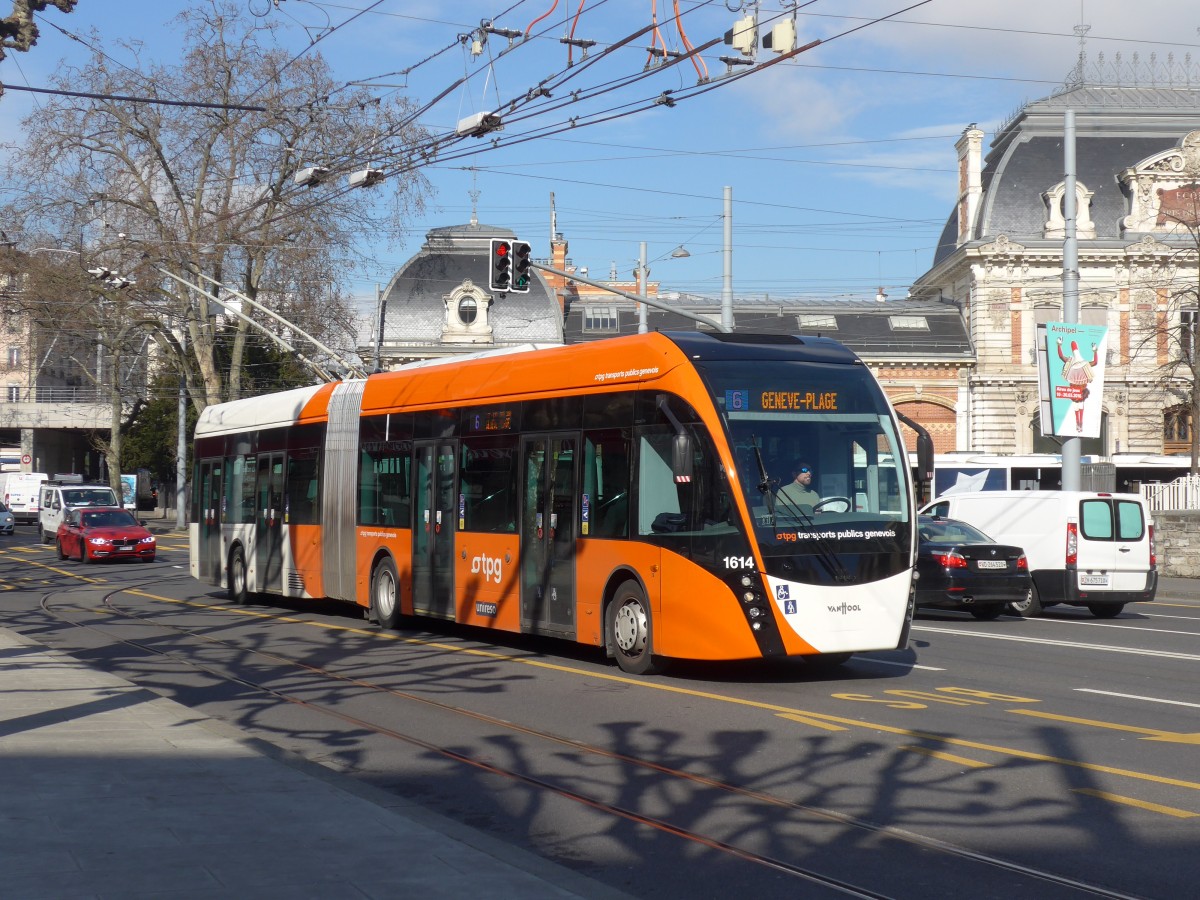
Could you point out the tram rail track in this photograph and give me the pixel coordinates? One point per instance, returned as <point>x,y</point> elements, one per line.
<point>680,776</point>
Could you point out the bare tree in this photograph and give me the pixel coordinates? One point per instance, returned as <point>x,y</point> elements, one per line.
<point>18,30</point>
<point>202,183</point>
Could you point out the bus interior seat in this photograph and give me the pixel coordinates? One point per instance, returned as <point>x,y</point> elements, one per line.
<point>614,516</point>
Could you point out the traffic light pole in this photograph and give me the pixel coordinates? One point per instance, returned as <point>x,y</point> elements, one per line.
<point>695,317</point>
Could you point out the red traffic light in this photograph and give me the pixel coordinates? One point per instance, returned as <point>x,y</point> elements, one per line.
<point>500,276</point>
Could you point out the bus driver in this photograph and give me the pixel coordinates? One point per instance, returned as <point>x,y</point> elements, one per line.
<point>798,493</point>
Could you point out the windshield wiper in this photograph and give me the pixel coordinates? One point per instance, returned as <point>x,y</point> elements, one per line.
<point>765,486</point>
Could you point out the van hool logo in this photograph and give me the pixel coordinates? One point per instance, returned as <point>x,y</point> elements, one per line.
<point>490,567</point>
<point>845,608</point>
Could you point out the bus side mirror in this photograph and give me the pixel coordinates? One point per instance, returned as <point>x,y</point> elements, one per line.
<point>924,456</point>
<point>681,458</point>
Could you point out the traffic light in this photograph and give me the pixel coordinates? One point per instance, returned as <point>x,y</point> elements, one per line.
<point>501,262</point>
<point>743,36</point>
<point>522,272</point>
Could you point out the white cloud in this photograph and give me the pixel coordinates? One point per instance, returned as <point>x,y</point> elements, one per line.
<point>786,104</point>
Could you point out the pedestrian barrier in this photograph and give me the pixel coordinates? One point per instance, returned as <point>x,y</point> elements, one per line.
<point>1182,493</point>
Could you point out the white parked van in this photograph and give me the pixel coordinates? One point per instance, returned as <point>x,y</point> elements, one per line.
<point>22,493</point>
<point>58,497</point>
<point>1084,548</point>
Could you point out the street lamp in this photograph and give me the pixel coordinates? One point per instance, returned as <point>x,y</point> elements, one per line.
<point>680,252</point>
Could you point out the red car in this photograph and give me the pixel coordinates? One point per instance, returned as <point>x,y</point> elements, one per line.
<point>104,532</point>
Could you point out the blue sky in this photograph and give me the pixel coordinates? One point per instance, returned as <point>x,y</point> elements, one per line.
<point>841,161</point>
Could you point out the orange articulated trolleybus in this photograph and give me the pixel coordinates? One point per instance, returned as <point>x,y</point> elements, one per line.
<point>620,493</point>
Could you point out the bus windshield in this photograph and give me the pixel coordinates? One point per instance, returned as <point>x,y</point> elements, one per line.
<point>818,457</point>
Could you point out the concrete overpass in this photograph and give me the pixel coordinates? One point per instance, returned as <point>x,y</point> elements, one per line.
<point>56,434</point>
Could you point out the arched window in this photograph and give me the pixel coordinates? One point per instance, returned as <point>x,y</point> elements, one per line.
<point>468,309</point>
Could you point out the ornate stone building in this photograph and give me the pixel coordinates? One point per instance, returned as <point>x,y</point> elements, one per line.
<point>1138,224</point>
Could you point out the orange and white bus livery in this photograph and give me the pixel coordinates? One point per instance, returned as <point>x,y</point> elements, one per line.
<point>619,493</point>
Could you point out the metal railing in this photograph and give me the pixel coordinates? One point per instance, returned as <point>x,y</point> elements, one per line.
<point>58,394</point>
<point>1182,493</point>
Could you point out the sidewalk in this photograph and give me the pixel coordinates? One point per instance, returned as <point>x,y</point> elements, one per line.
<point>110,790</point>
<point>1179,588</point>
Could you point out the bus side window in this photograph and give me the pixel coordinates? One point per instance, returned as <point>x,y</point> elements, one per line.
<point>657,494</point>
<point>302,486</point>
<point>606,482</point>
<point>488,482</point>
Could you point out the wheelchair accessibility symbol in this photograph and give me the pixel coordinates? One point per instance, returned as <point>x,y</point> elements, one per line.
<point>783,595</point>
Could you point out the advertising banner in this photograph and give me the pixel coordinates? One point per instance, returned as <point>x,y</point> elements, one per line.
<point>1071,376</point>
<point>129,492</point>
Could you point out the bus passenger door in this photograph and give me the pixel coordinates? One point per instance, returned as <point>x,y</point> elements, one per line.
<point>433,530</point>
<point>548,533</point>
<point>209,521</point>
<point>268,530</point>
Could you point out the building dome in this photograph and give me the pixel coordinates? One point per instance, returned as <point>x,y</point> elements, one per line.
<point>438,303</point>
<point>1117,130</point>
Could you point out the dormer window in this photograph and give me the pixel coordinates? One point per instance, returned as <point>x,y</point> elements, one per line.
<point>908,323</point>
<point>1056,222</point>
<point>468,309</point>
<point>467,315</point>
<point>816,322</point>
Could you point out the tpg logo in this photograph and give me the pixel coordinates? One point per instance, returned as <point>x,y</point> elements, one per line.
<point>491,568</point>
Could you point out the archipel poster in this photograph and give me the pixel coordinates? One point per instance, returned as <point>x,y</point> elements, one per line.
<point>1075,378</point>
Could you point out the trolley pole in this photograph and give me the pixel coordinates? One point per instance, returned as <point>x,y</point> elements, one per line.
<point>642,290</point>
<point>727,255</point>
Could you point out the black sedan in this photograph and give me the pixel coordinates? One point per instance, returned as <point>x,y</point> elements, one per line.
<point>960,567</point>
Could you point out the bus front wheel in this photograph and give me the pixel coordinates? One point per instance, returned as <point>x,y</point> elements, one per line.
<point>629,631</point>
<point>385,595</point>
<point>236,579</point>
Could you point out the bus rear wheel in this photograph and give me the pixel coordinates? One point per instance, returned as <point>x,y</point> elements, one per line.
<point>629,630</point>
<point>1105,610</point>
<point>236,576</point>
<point>385,595</point>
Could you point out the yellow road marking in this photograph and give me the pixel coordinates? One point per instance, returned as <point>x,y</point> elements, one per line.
<point>809,720</point>
<point>706,695</point>
<point>948,757</point>
<point>1152,734</point>
<point>65,572</point>
<point>1140,804</point>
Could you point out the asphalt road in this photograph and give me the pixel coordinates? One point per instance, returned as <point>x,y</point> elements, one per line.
<point>1054,757</point>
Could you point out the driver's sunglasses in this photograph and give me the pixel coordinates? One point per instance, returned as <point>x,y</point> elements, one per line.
<point>804,469</point>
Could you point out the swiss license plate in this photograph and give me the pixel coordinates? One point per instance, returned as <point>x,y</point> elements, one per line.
<point>992,564</point>
<point>1094,580</point>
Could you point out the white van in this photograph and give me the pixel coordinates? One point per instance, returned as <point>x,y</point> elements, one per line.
<point>1084,548</point>
<point>58,497</point>
<point>22,493</point>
